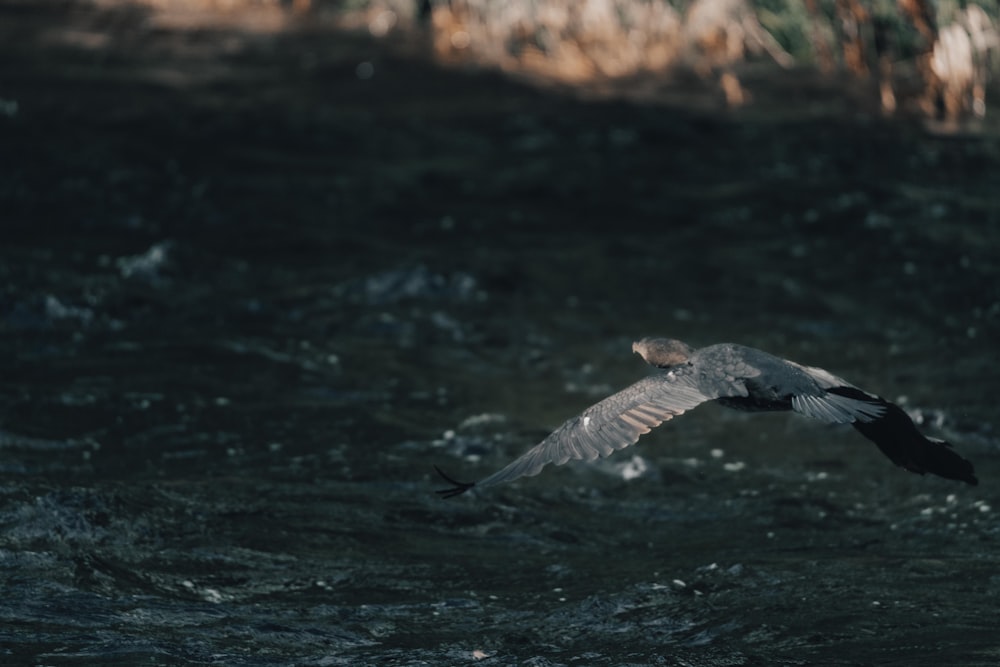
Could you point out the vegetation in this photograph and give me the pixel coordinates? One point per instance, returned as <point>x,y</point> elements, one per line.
<point>935,58</point>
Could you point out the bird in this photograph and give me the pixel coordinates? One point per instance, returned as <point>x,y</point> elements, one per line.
<point>738,377</point>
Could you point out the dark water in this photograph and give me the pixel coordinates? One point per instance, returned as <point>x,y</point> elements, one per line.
<point>248,299</point>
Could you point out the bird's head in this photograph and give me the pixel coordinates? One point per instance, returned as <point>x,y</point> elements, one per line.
<point>662,352</point>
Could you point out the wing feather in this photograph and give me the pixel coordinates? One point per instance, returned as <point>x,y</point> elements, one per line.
<point>838,409</point>
<point>636,422</point>
<point>830,401</point>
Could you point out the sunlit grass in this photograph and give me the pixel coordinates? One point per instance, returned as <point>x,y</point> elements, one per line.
<point>587,41</point>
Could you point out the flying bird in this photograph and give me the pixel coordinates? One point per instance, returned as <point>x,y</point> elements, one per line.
<point>738,377</point>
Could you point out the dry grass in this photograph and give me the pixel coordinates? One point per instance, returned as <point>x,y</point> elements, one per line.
<point>953,53</point>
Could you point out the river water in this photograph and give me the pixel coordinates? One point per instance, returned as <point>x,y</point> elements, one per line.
<point>250,298</point>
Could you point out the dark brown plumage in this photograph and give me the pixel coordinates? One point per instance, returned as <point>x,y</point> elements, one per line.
<point>739,377</point>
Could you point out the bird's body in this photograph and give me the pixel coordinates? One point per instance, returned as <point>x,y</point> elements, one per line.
<point>738,377</point>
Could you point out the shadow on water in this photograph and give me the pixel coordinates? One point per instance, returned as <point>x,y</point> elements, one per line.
<point>249,299</point>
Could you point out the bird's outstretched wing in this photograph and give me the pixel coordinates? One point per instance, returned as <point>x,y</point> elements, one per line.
<point>885,424</point>
<point>898,438</point>
<point>615,423</point>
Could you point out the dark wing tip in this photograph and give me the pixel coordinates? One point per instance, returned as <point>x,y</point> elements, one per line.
<point>944,462</point>
<point>458,489</point>
<point>958,467</point>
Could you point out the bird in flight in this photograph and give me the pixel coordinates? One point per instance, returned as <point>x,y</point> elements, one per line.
<point>738,377</point>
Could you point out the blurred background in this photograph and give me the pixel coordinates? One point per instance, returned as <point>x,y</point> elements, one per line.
<point>933,58</point>
<point>264,264</point>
